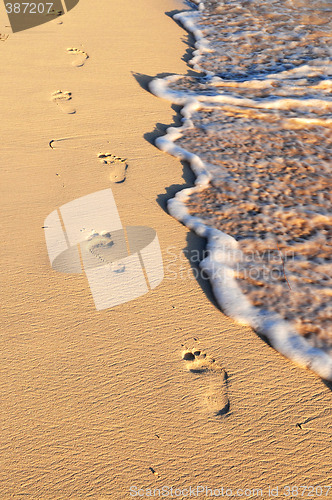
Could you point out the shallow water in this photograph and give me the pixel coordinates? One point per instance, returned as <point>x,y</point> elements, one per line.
<point>260,119</point>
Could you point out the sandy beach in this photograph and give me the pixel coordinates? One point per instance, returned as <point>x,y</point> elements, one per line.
<point>99,403</point>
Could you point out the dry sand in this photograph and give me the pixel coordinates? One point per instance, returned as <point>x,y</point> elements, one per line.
<point>93,401</point>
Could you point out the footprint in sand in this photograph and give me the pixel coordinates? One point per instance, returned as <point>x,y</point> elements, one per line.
<point>214,376</point>
<point>119,166</point>
<point>99,245</point>
<point>62,99</point>
<point>80,57</point>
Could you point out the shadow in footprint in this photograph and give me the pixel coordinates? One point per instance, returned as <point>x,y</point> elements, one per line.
<point>118,165</point>
<point>224,410</point>
<point>214,377</point>
<point>80,58</point>
<point>62,99</point>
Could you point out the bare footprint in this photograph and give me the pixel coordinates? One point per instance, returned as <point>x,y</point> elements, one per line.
<point>214,378</point>
<point>62,99</point>
<point>97,243</point>
<point>80,58</point>
<point>101,246</point>
<point>119,166</point>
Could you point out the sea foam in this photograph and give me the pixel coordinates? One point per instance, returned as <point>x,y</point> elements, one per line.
<point>257,133</point>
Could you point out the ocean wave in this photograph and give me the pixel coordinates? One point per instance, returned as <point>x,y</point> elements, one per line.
<point>257,133</point>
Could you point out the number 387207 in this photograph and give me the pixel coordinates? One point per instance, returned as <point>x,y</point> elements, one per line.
<point>28,8</point>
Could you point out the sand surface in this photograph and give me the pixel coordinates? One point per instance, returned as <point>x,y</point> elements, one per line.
<point>92,402</point>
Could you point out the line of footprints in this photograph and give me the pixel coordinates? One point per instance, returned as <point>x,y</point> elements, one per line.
<point>215,394</point>
<point>63,99</point>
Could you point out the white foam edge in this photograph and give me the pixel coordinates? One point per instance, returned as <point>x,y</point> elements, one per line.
<point>187,19</point>
<point>159,87</point>
<point>221,246</point>
<point>198,3</point>
<point>220,249</point>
